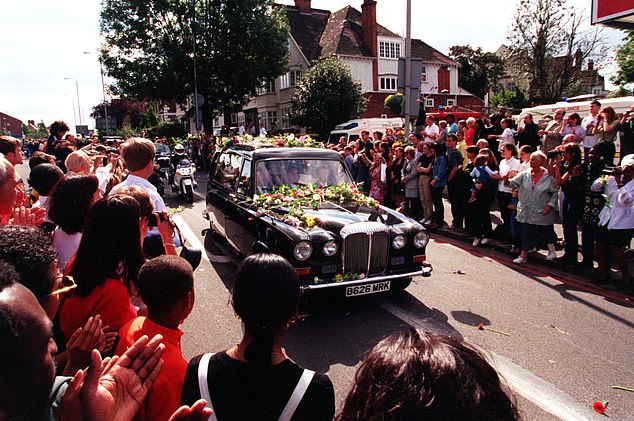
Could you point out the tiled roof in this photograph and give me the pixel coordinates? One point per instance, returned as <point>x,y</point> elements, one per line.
<point>307,29</point>
<point>321,33</point>
<point>429,54</point>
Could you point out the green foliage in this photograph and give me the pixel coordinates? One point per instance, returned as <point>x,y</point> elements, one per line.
<point>625,60</point>
<point>512,98</point>
<point>479,71</point>
<point>148,49</point>
<point>619,93</point>
<point>168,130</point>
<point>148,118</point>
<point>326,96</point>
<point>545,37</point>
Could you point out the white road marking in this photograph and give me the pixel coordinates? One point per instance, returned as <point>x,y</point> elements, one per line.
<point>523,382</point>
<point>195,242</point>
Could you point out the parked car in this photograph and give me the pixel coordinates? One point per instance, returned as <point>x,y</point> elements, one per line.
<point>333,235</point>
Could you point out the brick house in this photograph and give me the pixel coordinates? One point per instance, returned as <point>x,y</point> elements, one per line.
<point>372,52</point>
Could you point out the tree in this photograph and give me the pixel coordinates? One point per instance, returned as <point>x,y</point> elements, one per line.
<point>149,49</point>
<point>125,112</point>
<point>479,71</point>
<point>548,46</point>
<point>625,60</point>
<point>326,96</point>
<point>510,98</point>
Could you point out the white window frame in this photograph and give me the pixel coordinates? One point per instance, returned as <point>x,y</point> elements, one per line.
<point>389,49</point>
<point>388,83</point>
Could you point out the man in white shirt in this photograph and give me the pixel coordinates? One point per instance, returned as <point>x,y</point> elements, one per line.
<point>588,123</point>
<point>431,130</point>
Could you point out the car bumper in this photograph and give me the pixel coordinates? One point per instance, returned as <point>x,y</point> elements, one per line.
<point>425,272</point>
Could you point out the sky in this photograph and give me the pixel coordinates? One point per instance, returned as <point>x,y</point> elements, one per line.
<point>43,42</point>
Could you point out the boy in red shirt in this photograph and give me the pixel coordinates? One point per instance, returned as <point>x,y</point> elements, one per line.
<point>166,285</point>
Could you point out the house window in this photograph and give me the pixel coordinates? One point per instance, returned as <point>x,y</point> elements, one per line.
<point>295,76</point>
<point>451,102</point>
<point>423,75</point>
<point>387,83</point>
<point>429,103</point>
<point>389,49</point>
<point>284,81</point>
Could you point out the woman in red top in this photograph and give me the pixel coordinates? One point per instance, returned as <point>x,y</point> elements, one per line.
<point>106,264</point>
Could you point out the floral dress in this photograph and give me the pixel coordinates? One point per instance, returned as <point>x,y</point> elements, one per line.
<point>377,189</point>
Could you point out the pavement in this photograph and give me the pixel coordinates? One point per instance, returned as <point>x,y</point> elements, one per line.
<point>537,257</point>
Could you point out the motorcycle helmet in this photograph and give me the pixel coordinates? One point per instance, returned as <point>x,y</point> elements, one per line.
<point>179,149</point>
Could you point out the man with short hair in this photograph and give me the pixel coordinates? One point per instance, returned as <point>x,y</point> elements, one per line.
<point>58,130</point>
<point>138,156</point>
<point>589,122</point>
<point>12,149</point>
<point>551,137</point>
<point>431,131</point>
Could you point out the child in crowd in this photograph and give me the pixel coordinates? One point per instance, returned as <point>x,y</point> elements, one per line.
<point>481,174</point>
<point>166,285</point>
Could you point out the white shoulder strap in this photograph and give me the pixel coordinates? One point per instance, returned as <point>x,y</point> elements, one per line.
<point>298,394</point>
<point>203,385</point>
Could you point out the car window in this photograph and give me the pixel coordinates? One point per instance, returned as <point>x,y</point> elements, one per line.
<point>298,172</point>
<point>228,169</point>
<point>245,178</point>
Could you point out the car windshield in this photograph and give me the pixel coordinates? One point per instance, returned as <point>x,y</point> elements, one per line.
<point>298,172</point>
<point>161,148</point>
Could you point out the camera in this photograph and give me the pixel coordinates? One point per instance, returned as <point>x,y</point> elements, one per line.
<point>554,153</point>
<point>155,218</point>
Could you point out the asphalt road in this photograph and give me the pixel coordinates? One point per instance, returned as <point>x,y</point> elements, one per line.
<point>563,343</point>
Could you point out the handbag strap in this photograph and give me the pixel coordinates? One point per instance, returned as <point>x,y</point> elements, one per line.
<point>203,385</point>
<point>298,394</point>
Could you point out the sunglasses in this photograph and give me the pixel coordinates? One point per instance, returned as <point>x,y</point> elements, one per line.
<point>66,284</point>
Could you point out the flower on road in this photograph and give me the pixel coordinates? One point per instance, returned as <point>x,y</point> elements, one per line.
<point>600,407</point>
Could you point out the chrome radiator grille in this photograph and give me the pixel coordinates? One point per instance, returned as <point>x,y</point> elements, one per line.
<point>365,248</point>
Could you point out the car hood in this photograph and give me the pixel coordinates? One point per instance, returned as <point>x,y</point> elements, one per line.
<point>333,219</point>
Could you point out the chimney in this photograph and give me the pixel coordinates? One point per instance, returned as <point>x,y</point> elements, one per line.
<point>303,6</point>
<point>368,23</point>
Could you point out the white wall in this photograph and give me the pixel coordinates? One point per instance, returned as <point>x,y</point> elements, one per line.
<point>361,69</point>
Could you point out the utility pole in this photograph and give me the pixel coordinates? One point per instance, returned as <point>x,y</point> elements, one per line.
<point>408,66</point>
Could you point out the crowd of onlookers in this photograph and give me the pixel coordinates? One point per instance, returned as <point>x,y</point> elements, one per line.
<point>531,174</point>
<point>92,294</point>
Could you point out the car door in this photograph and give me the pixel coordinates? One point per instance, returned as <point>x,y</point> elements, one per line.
<point>221,190</point>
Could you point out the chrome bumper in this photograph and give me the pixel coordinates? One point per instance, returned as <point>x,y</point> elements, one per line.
<point>425,272</point>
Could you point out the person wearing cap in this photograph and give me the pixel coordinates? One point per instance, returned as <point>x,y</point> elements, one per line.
<point>616,220</point>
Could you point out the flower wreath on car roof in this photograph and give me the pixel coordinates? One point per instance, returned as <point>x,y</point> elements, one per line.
<point>288,204</point>
<point>287,141</point>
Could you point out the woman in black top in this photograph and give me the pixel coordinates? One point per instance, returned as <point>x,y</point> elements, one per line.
<point>255,379</point>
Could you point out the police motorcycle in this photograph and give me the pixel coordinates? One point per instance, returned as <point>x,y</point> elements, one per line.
<point>162,167</point>
<point>184,169</point>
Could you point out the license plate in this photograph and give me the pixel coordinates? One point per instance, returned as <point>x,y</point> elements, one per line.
<point>353,291</point>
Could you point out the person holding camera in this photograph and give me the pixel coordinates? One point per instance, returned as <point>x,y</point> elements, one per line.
<point>607,129</point>
<point>626,125</point>
<point>616,220</point>
<point>569,177</point>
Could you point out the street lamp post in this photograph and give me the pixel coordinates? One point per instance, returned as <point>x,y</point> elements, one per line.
<point>78,106</point>
<point>103,88</point>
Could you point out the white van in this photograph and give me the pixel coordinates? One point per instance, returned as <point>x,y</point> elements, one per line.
<point>352,129</point>
<point>582,108</point>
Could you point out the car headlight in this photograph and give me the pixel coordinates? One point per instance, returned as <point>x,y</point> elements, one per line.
<point>398,242</point>
<point>303,250</point>
<point>421,239</point>
<point>330,248</point>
